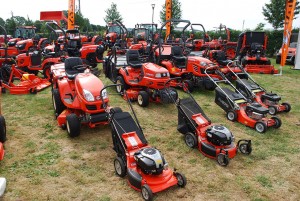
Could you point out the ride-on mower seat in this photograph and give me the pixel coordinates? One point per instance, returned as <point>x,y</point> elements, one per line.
<point>221,58</point>
<point>124,123</point>
<point>70,64</point>
<point>177,56</point>
<point>133,59</point>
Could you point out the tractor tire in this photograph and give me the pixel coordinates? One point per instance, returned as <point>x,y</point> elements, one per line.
<point>58,105</point>
<point>2,129</point>
<point>123,86</point>
<point>143,99</point>
<point>98,40</point>
<point>44,44</point>
<point>278,59</point>
<point>120,167</point>
<point>73,125</point>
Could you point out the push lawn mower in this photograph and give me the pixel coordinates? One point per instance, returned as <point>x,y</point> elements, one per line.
<point>239,108</point>
<point>252,90</point>
<point>76,97</point>
<point>143,82</point>
<point>251,52</point>
<point>212,140</point>
<point>145,167</point>
<point>172,56</point>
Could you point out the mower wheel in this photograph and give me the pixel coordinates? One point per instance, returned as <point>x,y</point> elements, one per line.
<point>188,86</point>
<point>245,148</point>
<point>222,159</point>
<point>272,110</point>
<point>147,193</point>
<point>123,86</point>
<point>277,122</point>
<point>120,167</point>
<point>231,115</point>
<point>58,105</point>
<point>260,127</point>
<point>181,180</point>
<point>2,129</point>
<point>190,140</point>
<point>73,125</point>
<point>287,106</point>
<point>143,99</point>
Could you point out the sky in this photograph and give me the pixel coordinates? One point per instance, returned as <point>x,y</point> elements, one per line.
<point>235,14</point>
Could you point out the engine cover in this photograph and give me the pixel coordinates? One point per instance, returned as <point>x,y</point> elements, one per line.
<point>150,161</point>
<point>219,135</point>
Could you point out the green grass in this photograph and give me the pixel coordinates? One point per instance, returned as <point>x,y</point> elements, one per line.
<point>42,162</point>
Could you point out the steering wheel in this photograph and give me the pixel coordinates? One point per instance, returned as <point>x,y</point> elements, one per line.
<point>186,51</point>
<point>79,67</point>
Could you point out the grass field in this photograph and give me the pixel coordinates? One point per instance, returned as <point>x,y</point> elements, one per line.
<point>43,163</point>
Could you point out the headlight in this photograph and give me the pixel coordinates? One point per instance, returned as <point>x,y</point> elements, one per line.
<point>104,94</point>
<point>203,63</point>
<point>88,95</point>
<point>158,75</point>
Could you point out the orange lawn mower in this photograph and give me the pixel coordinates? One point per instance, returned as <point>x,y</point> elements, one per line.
<point>251,52</point>
<point>252,90</point>
<point>143,82</point>
<point>76,97</point>
<point>175,57</point>
<point>146,169</point>
<point>213,140</point>
<point>245,111</point>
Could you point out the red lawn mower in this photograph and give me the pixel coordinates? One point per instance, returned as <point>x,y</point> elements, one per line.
<point>76,97</point>
<point>239,108</point>
<point>251,52</point>
<point>252,90</point>
<point>28,83</point>
<point>213,140</point>
<point>143,82</point>
<point>172,56</point>
<point>146,169</point>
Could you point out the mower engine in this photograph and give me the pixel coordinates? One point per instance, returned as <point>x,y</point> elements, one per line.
<point>270,99</point>
<point>257,49</point>
<point>256,111</point>
<point>150,161</point>
<point>219,135</point>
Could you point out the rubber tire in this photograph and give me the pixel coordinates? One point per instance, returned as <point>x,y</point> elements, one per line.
<point>245,149</point>
<point>57,103</point>
<point>44,44</point>
<point>263,130</point>
<point>2,129</point>
<point>287,106</point>
<point>188,86</point>
<point>231,115</point>
<point>146,189</point>
<point>225,159</point>
<point>181,180</point>
<point>190,140</point>
<point>278,122</point>
<point>124,86</point>
<point>273,110</point>
<point>73,125</point>
<point>122,172</point>
<point>143,99</point>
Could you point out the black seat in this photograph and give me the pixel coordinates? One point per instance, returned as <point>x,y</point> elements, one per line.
<point>36,58</point>
<point>70,66</point>
<point>177,56</point>
<point>133,58</point>
<point>73,47</point>
<point>221,58</point>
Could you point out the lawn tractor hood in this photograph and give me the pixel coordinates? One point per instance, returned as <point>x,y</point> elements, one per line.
<point>155,71</point>
<point>219,135</point>
<point>89,86</point>
<point>150,161</point>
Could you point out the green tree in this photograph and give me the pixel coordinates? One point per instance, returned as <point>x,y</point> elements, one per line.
<point>2,22</point>
<point>112,14</point>
<point>274,12</point>
<point>259,27</point>
<point>176,12</point>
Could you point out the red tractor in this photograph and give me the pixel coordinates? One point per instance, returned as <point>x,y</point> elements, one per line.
<point>143,82</point>
<point>251,52</point>
<point>76,97</point>
<point>146,169</point>
<point>291,50</point>
<point>116,33</point>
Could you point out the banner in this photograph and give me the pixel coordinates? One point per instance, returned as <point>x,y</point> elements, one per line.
<point>288,21</point>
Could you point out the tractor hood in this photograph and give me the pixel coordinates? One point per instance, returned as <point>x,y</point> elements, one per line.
<point>199,60</point>
<point>24,41</point>
<point>89,82</point>
<point>151,70</point>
